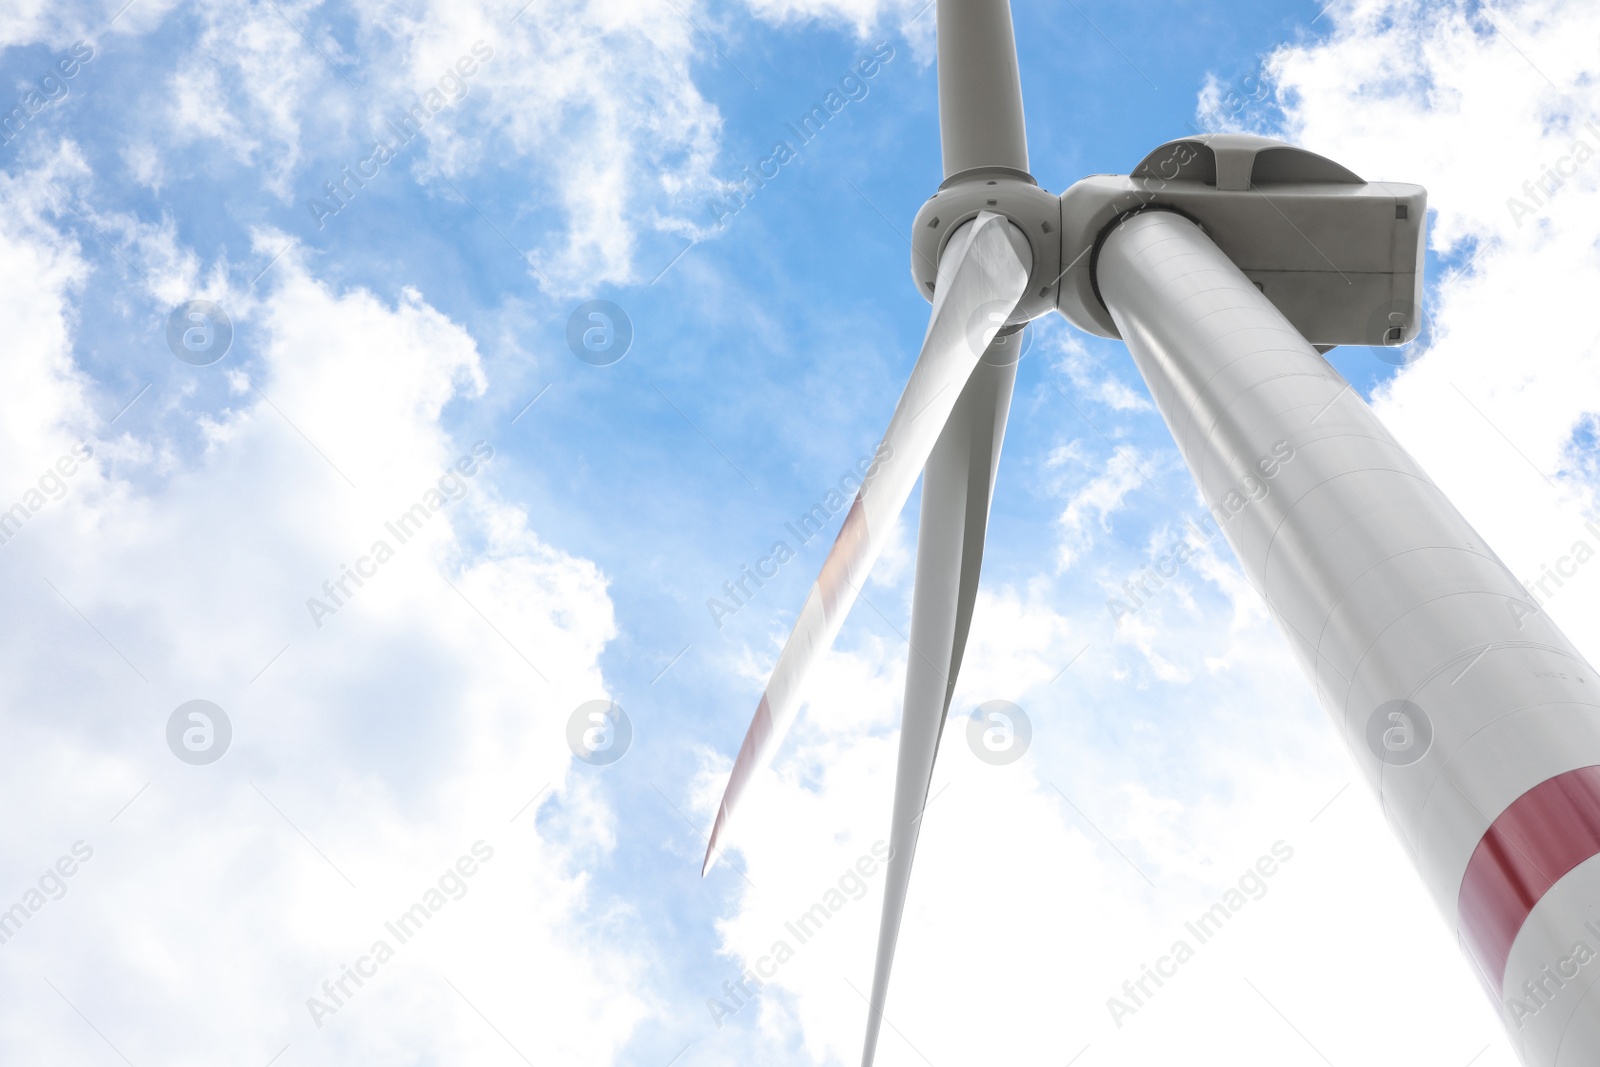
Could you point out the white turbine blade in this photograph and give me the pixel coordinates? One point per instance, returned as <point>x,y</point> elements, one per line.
<point>982,275</point>
<point>956,489</point>
<point>980,88</point>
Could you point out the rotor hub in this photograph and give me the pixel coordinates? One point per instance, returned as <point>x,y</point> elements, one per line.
<point>1009,193</point>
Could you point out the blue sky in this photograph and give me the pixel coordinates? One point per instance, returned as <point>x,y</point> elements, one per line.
<point>430,310</point>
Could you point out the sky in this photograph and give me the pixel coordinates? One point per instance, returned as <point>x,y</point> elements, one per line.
<point>264,332</point>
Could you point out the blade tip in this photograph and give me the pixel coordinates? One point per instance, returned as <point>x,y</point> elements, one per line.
<point>711,847</point>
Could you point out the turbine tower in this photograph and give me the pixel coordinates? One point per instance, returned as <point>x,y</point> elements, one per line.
<point>1228,264</point>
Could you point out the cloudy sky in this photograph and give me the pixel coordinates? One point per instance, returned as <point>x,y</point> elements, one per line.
<point>259,322</point>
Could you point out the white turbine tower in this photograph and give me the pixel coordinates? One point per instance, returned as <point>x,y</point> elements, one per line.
<point>1227,264</point>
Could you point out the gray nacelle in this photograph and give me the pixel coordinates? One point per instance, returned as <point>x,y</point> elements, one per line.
<point>1339,256</point>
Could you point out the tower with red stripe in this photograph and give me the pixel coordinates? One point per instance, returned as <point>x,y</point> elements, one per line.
<point>1473,717</point>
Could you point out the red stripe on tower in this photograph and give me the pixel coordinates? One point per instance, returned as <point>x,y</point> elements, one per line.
<point>1545,833</point>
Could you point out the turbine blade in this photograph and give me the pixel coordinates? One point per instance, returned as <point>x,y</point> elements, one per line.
<point>957,486</point>
<point>980,88</point>
<point>982,275</point>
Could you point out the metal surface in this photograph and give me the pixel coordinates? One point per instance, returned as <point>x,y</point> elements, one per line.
<point>982,275</point>
<point>1030,209</point>
<point>957,486</point>
<point>980,88</point>
<point>1238,162</point>
<point>1340,257</point>
<point>1386,594</point>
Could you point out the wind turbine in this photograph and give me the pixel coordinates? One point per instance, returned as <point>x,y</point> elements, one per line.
<point>1229,264</point>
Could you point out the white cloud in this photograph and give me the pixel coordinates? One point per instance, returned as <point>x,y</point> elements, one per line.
<point>863,16</point>
<point>402,730</point>
<point>1088,376</point>
<point>595,102</point>
<point>256,81</point>
<point>601,96</point>
<point>25,22</point>
<point>1094,501</point>
<point>43,403</point>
